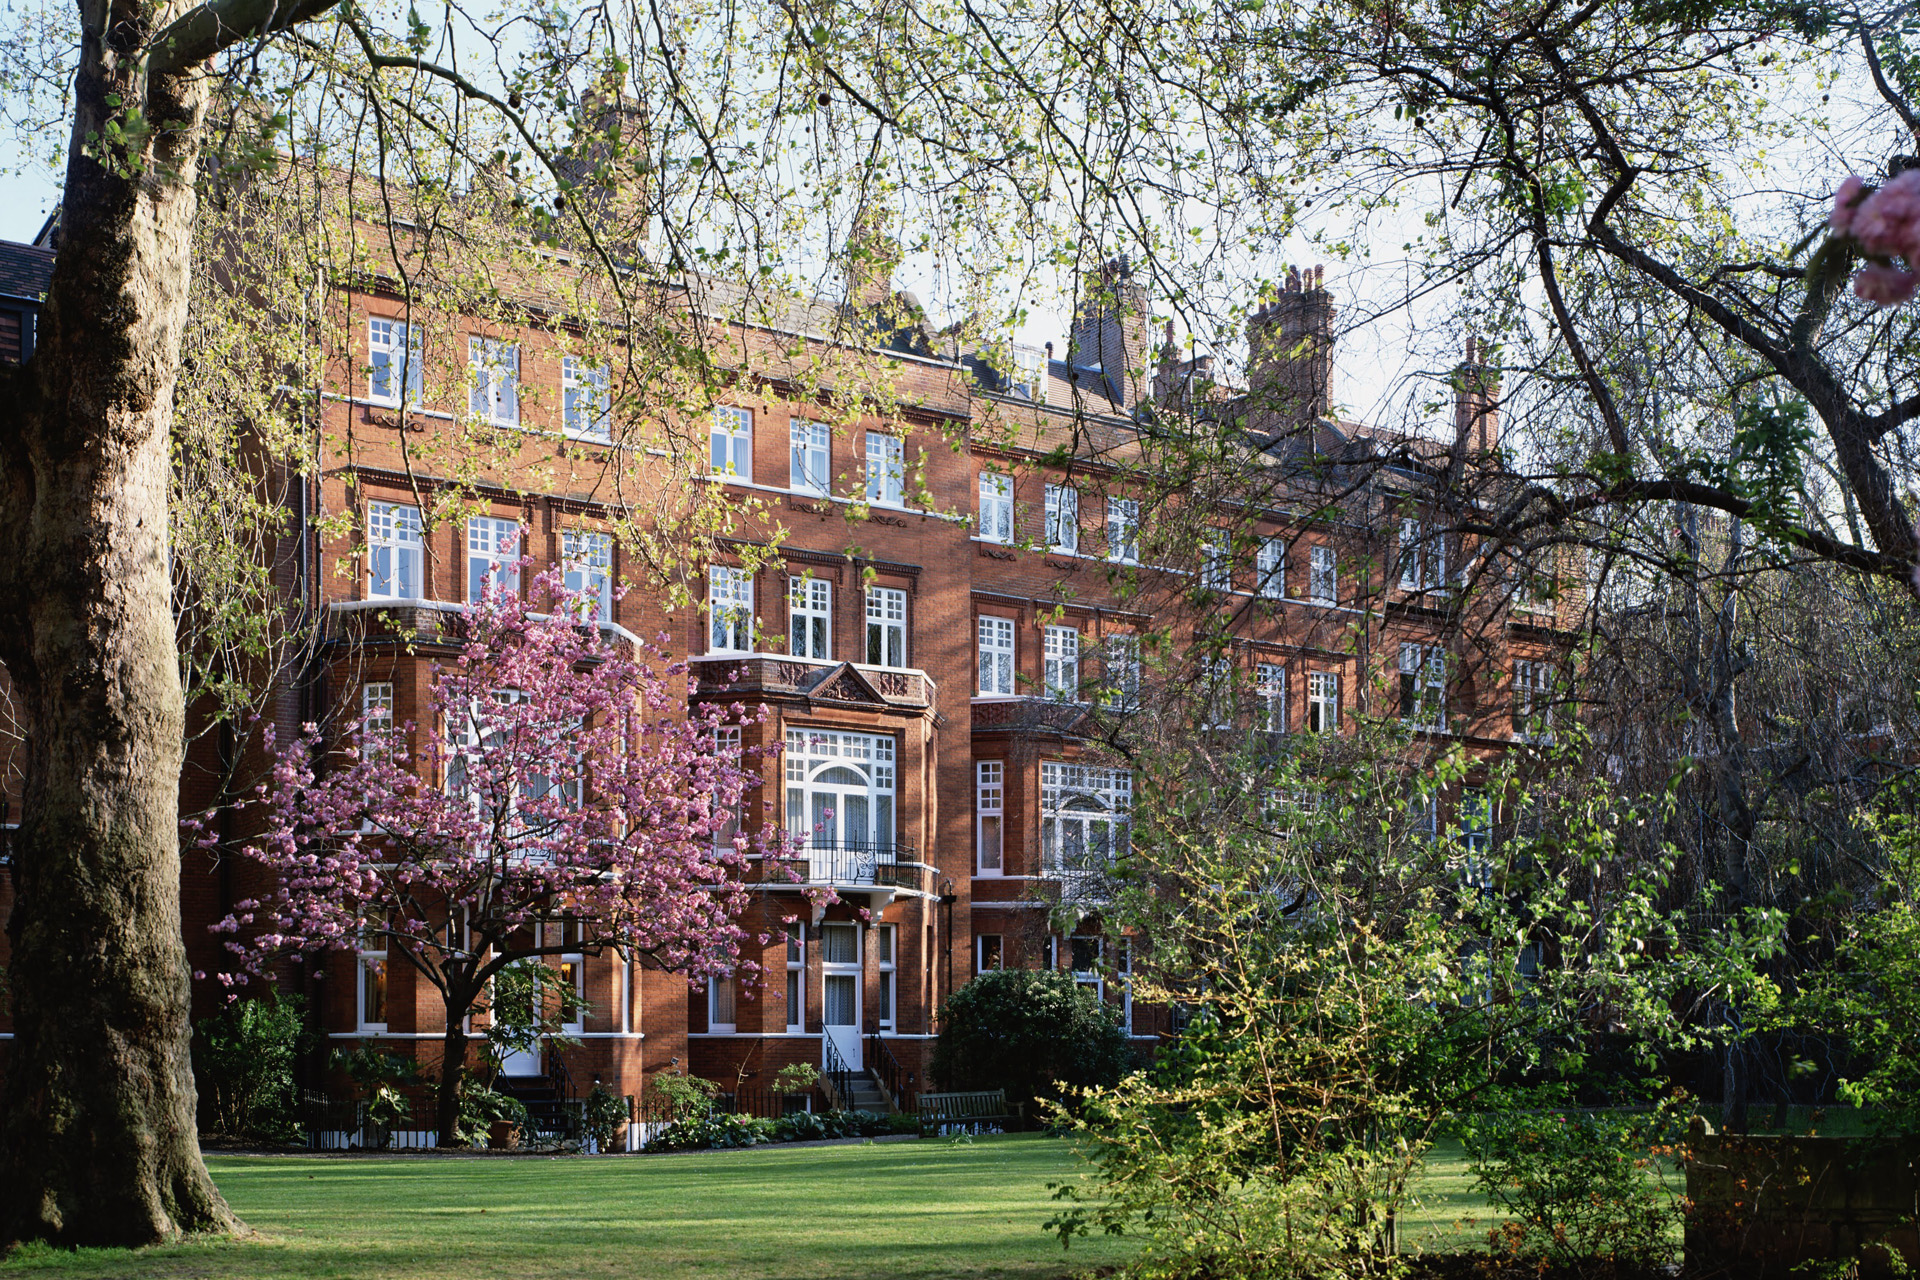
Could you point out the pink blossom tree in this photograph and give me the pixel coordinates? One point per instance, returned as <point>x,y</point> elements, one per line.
<point>1883,224</point>
<point>564,776</point>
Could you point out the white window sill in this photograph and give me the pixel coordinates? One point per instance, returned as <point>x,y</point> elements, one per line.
<point>393,406</point>
<point>740,482</point>
<point>453,606</point>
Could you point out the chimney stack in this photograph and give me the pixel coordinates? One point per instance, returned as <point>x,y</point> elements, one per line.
<point>1476,402</point>
<point>1110,330</point>
<point>608,162</point>
<point>1290,355</point>
<point>872,255</point>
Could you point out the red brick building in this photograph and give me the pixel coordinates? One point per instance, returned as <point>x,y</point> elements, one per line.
<point>931,568</point>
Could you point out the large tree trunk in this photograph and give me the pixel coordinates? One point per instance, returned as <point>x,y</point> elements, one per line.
<point>99,1144</point>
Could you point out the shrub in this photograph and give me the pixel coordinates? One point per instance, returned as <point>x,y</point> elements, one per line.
<point>243,1066</point>
<point>796,1077</point>
<point>1581,1186</point>
<point>714,1129</point>
<point>687,1095</point>
<point>379,1077</point>
<point>1030,1032</point>
<point>801,1126</point>
<point>606,1116</point>
<point>480,1108</point>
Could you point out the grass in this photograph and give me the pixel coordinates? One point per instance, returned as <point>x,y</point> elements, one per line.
<point>911,1209</point>
<point>914,1209</point>
<point>1447,1215</point>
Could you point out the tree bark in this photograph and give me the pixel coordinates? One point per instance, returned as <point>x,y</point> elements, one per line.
<point>453,1074</point>
<point>98,1144</point>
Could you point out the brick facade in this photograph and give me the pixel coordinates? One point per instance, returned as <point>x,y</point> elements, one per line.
<point>941,717</point>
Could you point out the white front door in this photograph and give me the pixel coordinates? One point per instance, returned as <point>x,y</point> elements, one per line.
<point>840,1009</point>
<point>523,1062</point>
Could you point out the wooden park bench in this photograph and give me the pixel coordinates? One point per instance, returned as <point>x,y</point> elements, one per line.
<point>985,1106</point>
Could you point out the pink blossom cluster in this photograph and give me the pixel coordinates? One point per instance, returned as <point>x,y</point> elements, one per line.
<point>564,775</point>
<point>1884,223</point>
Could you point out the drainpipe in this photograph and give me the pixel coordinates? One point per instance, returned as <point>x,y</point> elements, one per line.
<point>947,898</point>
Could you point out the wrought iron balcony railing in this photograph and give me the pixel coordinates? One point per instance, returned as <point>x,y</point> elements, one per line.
<point>863,862</point>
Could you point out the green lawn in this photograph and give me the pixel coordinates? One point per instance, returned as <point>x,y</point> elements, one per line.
<point>932,1208</point>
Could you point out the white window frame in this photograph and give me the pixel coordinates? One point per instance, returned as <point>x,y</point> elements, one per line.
<point>1423,686</point>
<point>815,765</point>
<point>1271,564</point>
<point>1533,692</point>
<point>995,655</point>
<point>886,947</point>
<point>386,340</point>
<point>730,442</point>
<point>983,943</point>
<point>1123,530</point>
<point>586,560</point>
<point>886,469</point>
<point>393,551</point>
<point>728,746</point>
<point>493,380</point>
<point>996,507</point>
<point>809,457</point>
<point>1084,816</point>
<point>1323,576</point>
<point>1027,373</point>
<point>577,1025</point>
<point>464,735</point>
<point>1096,977</point>
<point>730,609</point>
<point>1423,817</point>
<point>1216,566</point>
<point>1120,655</point>
<point>1216,675</point>
<point>366,958</point>
<point>990,817</point>
<point>1270,689</point>
<point>1474,816</point>
<point>1063,518</point>
<point>794,945</point>
<point>1061,647</point>
<point>887,627</point>
<point>494,545</point>
<point>722,999</point>
<point>1323,701</point>
<point>1423,557</point>
<point>586,400</point>
<point>376,716</point>
<point>809,616</point>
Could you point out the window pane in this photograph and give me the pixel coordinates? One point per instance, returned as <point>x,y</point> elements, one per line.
<point>840,1000</point>
<point>839,943</point>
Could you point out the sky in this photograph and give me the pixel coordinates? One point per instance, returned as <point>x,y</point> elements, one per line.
<point>1377,365</point>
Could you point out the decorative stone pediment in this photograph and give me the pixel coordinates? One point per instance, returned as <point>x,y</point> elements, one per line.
<point>845,684</point>
<point>840,683</point>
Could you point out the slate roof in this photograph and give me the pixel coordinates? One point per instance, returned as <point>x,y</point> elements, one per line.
<point>25,270</point>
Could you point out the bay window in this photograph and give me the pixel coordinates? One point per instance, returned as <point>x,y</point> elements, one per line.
<point>1083,817</point>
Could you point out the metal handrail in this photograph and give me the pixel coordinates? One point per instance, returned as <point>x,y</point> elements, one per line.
<point>559,1078</point>
<point>892,1077</point>
<point>837,1075</point>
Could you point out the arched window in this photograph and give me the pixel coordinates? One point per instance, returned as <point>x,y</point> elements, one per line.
<point>1083,817</point>
<point>840,790</point>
